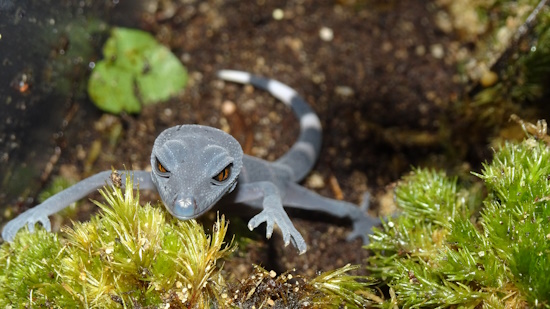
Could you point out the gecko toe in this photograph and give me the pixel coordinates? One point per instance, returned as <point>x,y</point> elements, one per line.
<point>362,227</point>
<point>46,224</point>
<point>254,223</point>
<point>355,234</point>
<point>269,232</point>
<point>365,204</point>
<point>300,244</point>
<point>8,233</point>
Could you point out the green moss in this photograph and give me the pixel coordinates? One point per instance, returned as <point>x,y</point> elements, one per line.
<point>450,248</point>
<point>126,256</point>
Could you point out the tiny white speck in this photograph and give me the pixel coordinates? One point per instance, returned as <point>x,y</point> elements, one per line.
<point>228,108</point>
<point>278,14</point>
<point>91,65</point>
<point>437,51</point>
<point>344,91</point>
<point>326,34</point>
<point>390,224</point>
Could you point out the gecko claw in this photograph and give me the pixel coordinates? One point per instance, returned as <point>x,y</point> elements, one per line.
<point>365,204</point>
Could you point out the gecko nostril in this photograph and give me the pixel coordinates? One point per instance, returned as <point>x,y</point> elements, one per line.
<point>185,207</point>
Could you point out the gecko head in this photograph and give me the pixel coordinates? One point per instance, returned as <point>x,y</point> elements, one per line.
<point>193,167</point>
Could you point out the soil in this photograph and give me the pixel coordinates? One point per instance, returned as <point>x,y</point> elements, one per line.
<point>379,74</point>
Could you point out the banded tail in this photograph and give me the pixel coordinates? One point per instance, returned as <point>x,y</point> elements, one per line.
<point>302,155</point>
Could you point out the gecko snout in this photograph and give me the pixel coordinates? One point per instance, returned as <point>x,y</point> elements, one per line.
<point>185,207</point>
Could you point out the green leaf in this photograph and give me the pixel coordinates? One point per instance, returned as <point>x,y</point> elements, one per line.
<point>111,88</point>
<point>165,77</point>
<point>137,70</point>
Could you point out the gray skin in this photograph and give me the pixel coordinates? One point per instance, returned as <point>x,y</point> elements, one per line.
<point>194,167</point>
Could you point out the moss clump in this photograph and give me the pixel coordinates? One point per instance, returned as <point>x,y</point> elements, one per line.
<point>451,248</point>
<point>127,256</point>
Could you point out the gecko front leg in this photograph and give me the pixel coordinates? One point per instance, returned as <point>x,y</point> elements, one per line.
<point>63,199</point>
<point>272,212</point>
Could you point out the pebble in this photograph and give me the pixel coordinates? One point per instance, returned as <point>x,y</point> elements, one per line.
<point>278,14</point>
<point>315,181</point>
<point>228,108</point>
<point>488,78</point>
<point>326,34</point>
<point>437,51</point>
<point>344,91</point>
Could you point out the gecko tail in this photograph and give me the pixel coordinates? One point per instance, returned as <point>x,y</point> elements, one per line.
<point>302,155</point>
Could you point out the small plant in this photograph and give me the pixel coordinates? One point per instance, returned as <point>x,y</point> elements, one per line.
<point>136,71</point>
<point>451,248</point>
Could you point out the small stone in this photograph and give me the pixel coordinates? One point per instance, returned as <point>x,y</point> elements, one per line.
<point>344,91</point>
<point>488,78</point>
<point>326,34</point>
<point>437,51</point>
<point>420,50</point>
<point>228,108</point>
<point>278,14</point>
<point>168,112</point>
<point>315,181</point>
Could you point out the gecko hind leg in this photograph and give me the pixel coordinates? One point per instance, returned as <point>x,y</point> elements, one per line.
<point>302,198</point>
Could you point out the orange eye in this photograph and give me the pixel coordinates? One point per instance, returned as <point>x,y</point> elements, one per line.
<point>161,168</point>
<point>223,175</point>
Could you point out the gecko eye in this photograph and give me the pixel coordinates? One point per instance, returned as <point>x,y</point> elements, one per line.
<point>161,167</point>
<point>224,174</point>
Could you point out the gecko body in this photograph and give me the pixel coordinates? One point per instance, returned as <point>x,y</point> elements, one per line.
<point>194,167</point>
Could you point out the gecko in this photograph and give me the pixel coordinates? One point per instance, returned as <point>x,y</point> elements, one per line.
<point>194,167</point>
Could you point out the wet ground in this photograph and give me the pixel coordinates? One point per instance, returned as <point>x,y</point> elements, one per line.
<point>381,75</point>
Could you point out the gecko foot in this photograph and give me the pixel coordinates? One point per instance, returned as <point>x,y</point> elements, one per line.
<point>362,222</point>
<point>28,218</point>
<point>362,227</point>
<point>290,233</point>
